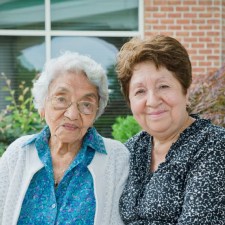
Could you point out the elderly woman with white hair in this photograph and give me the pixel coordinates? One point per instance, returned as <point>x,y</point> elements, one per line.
<point>67,173</point>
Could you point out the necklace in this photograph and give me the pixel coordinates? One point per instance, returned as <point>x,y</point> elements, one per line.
<point>60,172</point>
<point>61,160</point>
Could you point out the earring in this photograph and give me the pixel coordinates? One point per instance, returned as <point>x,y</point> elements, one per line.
<point>188,107</point>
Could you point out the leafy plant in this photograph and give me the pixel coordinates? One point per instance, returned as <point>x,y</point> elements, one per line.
<point>207,96</point>
<point>124,128</point>
<point>19,117</point>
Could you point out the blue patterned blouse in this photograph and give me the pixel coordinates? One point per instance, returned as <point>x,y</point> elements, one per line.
<point>73,201</point>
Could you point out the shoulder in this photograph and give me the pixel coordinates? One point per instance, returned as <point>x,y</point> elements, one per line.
<point>16,147</point>
<point>138,141</point>
<point>206,140</point>
<point>212,134</point>
<point>115,147</point>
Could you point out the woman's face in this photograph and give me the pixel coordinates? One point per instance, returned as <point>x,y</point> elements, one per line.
<point>69,125</point>
<point>157,100</point>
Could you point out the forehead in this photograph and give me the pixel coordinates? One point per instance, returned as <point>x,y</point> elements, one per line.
<point>144,72</point>
<point>74,84</point>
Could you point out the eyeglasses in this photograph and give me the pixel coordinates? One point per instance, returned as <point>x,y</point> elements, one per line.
<point>63,103</point>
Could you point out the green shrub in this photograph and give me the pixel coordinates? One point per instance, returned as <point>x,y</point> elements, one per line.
<point>124,128</point>
<point>19,117</point>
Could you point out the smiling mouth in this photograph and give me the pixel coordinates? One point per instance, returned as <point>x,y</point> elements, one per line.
<point>157,113</point>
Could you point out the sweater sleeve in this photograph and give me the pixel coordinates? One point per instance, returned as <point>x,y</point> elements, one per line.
<point>122,174</point>
<point>204,199</point>
<point>4,183</point>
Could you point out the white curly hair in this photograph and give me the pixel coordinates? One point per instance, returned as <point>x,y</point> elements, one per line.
<point>71,62</point>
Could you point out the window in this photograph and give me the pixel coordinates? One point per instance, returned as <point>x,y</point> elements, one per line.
<point>32,32</point>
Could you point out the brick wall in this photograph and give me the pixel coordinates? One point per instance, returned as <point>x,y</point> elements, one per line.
<point>198,24</point>
<point>223,31</point>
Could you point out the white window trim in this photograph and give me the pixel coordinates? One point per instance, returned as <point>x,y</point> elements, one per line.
<point>48,33</point>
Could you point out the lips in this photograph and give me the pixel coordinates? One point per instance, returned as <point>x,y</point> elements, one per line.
<point>155,113</point>
<point>70,126</point>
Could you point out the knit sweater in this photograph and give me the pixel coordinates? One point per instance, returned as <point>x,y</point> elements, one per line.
<point>18,165</point>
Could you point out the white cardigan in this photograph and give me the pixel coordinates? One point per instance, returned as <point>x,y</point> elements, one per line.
<point>18,165</point>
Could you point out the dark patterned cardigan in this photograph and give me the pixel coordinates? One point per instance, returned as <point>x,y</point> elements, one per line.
<point>187,189</point>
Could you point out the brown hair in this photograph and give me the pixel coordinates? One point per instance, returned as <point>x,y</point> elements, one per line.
<point>163,51</point>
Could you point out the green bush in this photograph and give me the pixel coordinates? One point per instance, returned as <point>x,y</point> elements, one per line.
<point>124,128</point>
<point>19,117</point>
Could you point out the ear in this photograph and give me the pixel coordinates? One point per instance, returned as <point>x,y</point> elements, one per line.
<point>187,96</point>
<point>41,113</point>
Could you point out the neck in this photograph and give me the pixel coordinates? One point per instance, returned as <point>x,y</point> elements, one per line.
<point>62,156</point>
<point>61,149</point>
<point>172,138</point>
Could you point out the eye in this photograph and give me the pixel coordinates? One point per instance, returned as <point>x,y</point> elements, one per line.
<point>61,99</point>
<point>87,104</point>
<point>139,92</point>
<point>163,86</point>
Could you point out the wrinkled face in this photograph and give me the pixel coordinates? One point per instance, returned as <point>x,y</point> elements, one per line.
<point>157,100</point>
<point>65,120</point>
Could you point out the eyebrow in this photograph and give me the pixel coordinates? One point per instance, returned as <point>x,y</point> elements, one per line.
<point>91,95</point>
<point>88,95</point>
<point>62,89</point>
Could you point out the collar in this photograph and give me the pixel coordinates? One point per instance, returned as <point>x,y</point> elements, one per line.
<point>91,139</point>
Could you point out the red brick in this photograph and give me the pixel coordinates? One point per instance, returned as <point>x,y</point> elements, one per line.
<point>198,57</point>
<point>205,51</point>
<point>205,27</point>
<point>190,15</point>
<point>198,33</point>
<point>167,21</point>
<point>175,15</point>
<point>205,15</point>
<point>182,8</point>
<point>198,45</point>
<point>213,21</point>
<point>207,63</point>
<point>213,57</point>
<point>183,21</point>
<point>197,9</point>
<point>167,8</point>
<point>190,39</point>
<point>152,21</point>
<point>159,15</point>
<point>152,8</point>
<point>174,27</point>
<point>190,27</point>
<point>159,27</point>
<point>189,2</point>
<point>199,21</point>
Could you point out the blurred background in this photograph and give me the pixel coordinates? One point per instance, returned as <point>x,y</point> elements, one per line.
<point>33,31</point>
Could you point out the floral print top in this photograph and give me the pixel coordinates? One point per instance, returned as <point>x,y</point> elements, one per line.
<point>73,201</point>
<point>187,189</point>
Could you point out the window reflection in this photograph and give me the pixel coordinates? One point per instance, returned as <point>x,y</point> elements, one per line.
<point>22,14</point>
<point>100,50</point>
<point>99,15</point>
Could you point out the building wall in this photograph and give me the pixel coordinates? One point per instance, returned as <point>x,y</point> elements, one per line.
<point>223,31</point>
<point>198,24</point>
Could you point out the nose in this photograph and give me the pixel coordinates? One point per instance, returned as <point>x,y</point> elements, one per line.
<point>72,112</point>
<point>153,99</point>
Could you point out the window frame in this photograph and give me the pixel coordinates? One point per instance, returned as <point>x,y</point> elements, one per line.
<point>48,33</point>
